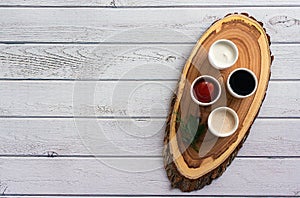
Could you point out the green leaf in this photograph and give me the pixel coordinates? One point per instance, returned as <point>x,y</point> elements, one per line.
<point>200,130</point>
<point>194,146</point>
<point>191,130</point>
<point>192,125</point>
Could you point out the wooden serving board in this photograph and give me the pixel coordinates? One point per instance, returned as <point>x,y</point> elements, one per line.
<point>193,157</point>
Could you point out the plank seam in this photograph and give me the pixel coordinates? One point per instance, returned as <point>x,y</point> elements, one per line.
<point>139,195</point>
<point>118,80</point>
<point>117,117</point>
<point>157,7</point>
<point>118,43</point>
<point>87,156</point>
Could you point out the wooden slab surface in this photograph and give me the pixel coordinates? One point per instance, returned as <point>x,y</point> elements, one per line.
<point>191,168</point>
<point>49,46</point>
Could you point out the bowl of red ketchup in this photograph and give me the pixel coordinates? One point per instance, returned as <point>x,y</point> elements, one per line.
<point>205,90</point>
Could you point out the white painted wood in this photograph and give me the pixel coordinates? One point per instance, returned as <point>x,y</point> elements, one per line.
<point>140,62</point>
<point>135,3</point>
<point>123,143</point>
<point>111,196</point>
<point>134,25</point>
<point>123,137</point>
<point>114,196</point>
<point>123,98</point>
<point>142,176</point>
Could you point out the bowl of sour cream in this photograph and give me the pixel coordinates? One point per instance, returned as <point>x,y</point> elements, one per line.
<point>223,54</point>
<point>223,122</point>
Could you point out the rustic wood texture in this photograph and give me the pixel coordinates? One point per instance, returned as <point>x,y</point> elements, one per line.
<point>149,3</point>
<point>143,99</point>
<point>133,25</point>
<point>118,61</point>
<point>63,137</point>
<point>90,176</point>
<point>48,46</point>
<point>190,169</point>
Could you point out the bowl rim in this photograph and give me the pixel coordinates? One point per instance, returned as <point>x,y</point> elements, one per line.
<point>211,59</point>
<point>214,131</point>
<point>203,103</point>
<point>235,94</point>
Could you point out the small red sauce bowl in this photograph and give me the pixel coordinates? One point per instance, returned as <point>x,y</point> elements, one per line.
<point>205,90</point>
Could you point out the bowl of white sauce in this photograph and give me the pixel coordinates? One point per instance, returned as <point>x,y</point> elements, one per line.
<point>223,122</point>
<point>223,54</point>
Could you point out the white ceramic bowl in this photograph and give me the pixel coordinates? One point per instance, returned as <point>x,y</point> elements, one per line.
<point>209,79</point>
<point>217,132</point>
<point>213,53</point>
<point>235,94</point>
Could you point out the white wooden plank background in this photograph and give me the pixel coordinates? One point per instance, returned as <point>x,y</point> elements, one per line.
<point>134,24</point>
<point>118,99</point>
<point>117,61</point>
<point>62,63</point>
<point>142,176</point>
<point>63,137</point>
<point>149,3</point>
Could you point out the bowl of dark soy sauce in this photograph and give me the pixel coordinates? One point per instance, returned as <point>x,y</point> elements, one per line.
<point>241,83</point>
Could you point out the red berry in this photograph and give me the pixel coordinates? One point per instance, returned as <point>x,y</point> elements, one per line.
<point>204,91</point>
